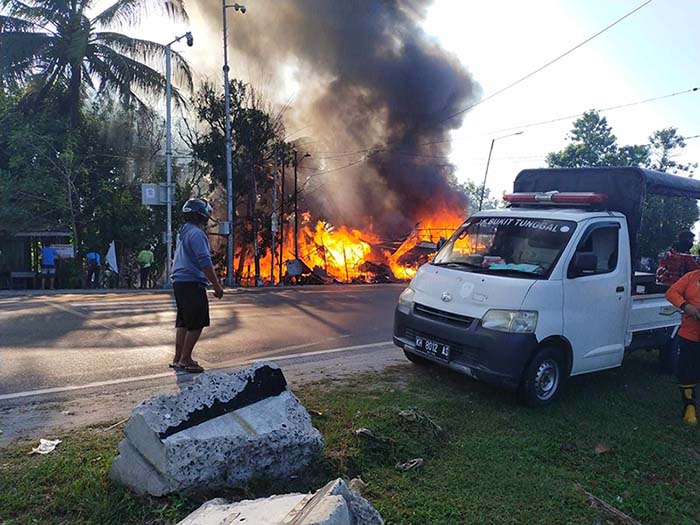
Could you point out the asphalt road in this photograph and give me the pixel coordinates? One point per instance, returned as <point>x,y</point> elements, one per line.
<point>59,341</point>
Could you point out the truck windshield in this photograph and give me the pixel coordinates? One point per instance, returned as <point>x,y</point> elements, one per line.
<point>517,246</point>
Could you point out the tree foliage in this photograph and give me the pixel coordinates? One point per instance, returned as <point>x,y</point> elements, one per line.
<point>53,49</point>
<point>256,136</point>
<point>592,144</point>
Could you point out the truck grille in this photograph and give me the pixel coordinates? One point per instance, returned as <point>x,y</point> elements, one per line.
<point>441,315</point>
<point>458,352</point>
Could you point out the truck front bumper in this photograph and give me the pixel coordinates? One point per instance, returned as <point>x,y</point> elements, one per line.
<point>494,357</point>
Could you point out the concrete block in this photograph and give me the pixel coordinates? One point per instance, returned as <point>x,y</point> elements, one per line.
<point>331,510</point>
<point>221,431</point>
<point>330,505</point>
<point>131,469</point>
<point>249,512</point>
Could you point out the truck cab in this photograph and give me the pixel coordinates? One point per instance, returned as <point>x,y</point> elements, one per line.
<point>526,296</point>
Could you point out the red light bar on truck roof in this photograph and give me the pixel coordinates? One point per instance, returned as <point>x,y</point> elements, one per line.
<point>555,197</point>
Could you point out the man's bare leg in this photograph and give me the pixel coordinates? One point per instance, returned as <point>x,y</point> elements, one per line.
<point>180,335</point>
<point>191,338</point>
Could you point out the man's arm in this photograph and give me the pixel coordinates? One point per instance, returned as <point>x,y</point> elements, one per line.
<point>211,275</point>
<point>676,296</point>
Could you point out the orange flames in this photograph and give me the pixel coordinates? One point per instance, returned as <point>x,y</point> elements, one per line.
<point>340,254</point>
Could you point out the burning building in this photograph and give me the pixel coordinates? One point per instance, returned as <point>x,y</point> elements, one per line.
<point>376,99</point>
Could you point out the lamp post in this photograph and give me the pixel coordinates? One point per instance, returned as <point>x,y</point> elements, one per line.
<point>230,209</point>
<point>296,204</point>
<point>169,155</point>
<point>488,162</point>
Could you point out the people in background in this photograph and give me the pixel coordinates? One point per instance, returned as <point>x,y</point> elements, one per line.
<point>48,266</point>
<point>145,260</point>
<point>94,262</point>
<point>685,294</point>
<point>192,271</point>
<point>677,261</point>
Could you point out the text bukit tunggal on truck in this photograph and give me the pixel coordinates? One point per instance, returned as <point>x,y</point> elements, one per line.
<point>527,296</point>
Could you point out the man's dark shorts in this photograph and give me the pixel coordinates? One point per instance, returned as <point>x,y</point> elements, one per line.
<point>192,305</point>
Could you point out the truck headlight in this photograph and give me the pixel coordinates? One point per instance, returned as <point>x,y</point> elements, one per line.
<point>512,321</point>
<point>406,300</point>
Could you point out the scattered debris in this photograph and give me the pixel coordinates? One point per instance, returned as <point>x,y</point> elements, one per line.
<point>335,503</point>
<point>413,415</point>
<point>118,423</point>
<point>601,449</point>
<point>67,413</point>
<point>410,464</point>
<point>372,437</point>
<point>605,507</point>
<point>46,446</point>
<point>219,432</point>
<point>315,413</point>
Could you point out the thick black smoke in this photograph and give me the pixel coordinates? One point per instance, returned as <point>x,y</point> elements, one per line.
<point>371,82</point>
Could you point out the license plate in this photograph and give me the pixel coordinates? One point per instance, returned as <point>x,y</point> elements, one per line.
<point>433,348</point>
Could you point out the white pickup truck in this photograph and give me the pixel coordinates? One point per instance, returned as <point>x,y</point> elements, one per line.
<point>526,296</point>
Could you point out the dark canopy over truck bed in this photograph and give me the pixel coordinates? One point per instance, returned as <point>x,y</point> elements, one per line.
<point>626,188</point>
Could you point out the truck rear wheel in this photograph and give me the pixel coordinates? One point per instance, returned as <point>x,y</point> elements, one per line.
<point>543,378</point>
<point>416,359</point>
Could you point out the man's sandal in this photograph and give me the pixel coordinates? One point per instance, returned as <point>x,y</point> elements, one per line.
<point>194,368</point>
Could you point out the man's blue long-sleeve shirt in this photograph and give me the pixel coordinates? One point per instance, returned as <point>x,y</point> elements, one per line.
<point>192,255</point>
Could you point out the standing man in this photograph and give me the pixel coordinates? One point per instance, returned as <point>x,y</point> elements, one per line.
<point>48,266</point>
<point>93,269</point>
<point>685,294</point>
<point>145,259</point>
<point>192,271</point>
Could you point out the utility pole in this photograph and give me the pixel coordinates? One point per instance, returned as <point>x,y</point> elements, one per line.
<point>296,210</point>
<point>282,208</point>
<point>273,219</point>
<point>296,203</point>
<point>169,156</point>
<point>230,198</point>
<point>488,162</point>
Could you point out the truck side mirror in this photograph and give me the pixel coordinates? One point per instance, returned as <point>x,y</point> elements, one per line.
<point>584,263</point>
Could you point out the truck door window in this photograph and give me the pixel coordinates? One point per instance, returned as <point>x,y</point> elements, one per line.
<point>603,242</point>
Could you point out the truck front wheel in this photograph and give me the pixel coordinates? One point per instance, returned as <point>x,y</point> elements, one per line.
<point>543,378</point>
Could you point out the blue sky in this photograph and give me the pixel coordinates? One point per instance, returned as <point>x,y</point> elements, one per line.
<point>653,52</point>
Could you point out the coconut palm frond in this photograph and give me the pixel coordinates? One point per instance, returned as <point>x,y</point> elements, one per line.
<point>21,52</point>
<point>147,51</point>
<point>136,74</point>
<point>130,11</point>
<point>38,13</point>
<point>12,23</point>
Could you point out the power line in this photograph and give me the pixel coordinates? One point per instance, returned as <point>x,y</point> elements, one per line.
<point>544,66</point>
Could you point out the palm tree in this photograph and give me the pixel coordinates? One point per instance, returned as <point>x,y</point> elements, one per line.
<point>54,46</point>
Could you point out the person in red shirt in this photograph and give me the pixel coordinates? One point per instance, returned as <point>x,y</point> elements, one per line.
<point>677,261</point>
<point>685,295</point>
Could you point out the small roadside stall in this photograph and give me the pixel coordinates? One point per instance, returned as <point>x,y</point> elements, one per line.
<point>20,257</point>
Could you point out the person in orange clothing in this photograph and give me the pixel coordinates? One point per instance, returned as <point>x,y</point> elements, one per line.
<point>685,295</point>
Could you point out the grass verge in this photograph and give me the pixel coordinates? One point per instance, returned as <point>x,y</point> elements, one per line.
<point>494,462</point>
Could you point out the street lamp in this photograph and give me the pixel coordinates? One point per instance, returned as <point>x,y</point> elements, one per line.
<point>483,187</point>
<point>169,155</point>
<point>230,211</point>
<point>296,204</point>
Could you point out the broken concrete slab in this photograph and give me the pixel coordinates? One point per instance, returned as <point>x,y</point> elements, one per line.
<point>221,431</point>
<point>334,504</point>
